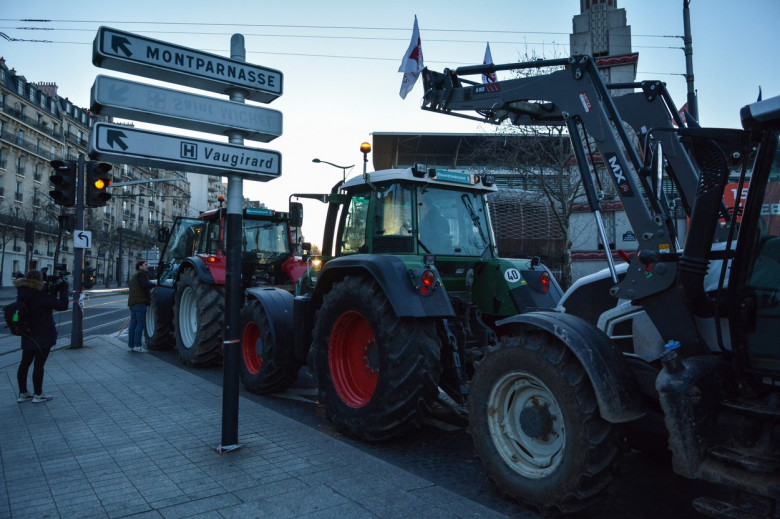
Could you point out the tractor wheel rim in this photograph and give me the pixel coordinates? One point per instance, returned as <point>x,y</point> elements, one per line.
<point>188,323</point>
<point>354,378</point>
<point>526,425</point>
<point>151,319</point>
<point>250,345</point>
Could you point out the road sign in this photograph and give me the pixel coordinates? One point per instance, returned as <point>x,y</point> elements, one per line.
<point>138,101</point>
<point>82,239</point>
<point>127,145</point>
<point>155,59</point>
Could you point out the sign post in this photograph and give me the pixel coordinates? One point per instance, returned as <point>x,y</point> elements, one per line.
<point>77,326</point>
<point>241,81</point>
<point>232,346</point>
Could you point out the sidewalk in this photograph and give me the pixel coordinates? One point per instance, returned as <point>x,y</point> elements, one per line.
<point>127,435</point>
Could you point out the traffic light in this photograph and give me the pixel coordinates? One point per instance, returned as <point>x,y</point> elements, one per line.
<point>67,222</point>
<point>89,277</point>
<point>64,182</point>
<point>98,180</point>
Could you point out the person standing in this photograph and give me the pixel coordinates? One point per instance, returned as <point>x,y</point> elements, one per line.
<point>38,305</point>
<point>138,299</point>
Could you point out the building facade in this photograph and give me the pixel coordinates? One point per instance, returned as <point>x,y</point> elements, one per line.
<point>38,126</point>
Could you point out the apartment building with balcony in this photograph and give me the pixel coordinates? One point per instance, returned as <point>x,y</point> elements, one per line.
<point>36,126</point>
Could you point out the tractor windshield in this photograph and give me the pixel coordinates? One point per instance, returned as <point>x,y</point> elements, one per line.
<point>266,240</point>
<point>184,239</point>
<point>452,223</point>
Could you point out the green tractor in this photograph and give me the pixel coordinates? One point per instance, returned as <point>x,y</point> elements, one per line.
<point>400,307</point>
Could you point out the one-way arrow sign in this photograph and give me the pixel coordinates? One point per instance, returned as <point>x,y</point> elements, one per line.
<point>155,59</point>
<point>128,145</point>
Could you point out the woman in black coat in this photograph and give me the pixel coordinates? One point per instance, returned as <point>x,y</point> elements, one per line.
<point>37,306</point>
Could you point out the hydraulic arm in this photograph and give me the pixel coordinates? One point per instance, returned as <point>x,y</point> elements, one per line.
<point>575,95</point>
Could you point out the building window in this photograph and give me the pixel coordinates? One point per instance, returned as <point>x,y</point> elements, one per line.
<point>20,137</point>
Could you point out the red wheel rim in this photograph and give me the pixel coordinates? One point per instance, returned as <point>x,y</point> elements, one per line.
<point>249,339</point>
<point>354,379</point>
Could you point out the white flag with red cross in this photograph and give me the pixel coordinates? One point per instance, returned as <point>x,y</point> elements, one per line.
<point>412,63</point>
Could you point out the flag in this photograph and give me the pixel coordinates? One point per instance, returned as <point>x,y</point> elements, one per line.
<point>488,78</point>
<point>412,63</point>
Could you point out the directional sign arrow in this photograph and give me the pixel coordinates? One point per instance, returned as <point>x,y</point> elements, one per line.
<point>127,145</point>
<point>85,238</point>
<point>117,97</point>
<point>81,239</point>
<point>155,59</point>
<point>115,137</point>
<point>120,42</point>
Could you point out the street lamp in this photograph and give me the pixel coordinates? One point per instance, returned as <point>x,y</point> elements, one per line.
<point>342,168</point>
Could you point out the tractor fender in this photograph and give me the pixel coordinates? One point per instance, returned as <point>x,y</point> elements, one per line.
<point>393,277</point>
<point>278,306</point>
<point>617,391</point>
<point>204,274</point>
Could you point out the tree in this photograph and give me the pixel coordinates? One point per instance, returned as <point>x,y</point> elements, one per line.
<point>9,230</point>
<point>530,161</point>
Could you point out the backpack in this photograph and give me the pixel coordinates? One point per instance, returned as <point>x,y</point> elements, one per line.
<point>16,318</point>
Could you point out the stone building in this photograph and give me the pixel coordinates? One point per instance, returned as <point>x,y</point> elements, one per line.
<point>37,126</point>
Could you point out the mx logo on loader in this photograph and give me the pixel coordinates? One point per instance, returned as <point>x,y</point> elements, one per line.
<point>617,172</point>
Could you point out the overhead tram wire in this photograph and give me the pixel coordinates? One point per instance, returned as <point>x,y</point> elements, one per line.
<point>315,36</point>
<point>293,26</point>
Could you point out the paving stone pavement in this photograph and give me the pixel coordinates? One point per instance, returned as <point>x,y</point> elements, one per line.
<point>127,436</point>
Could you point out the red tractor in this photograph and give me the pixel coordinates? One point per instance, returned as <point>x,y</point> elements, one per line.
<point>188,303</point>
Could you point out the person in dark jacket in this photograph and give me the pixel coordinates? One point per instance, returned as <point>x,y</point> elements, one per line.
<point>38,305</point>
<point>138,299</point>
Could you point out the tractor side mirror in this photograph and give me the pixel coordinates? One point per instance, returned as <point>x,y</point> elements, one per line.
<point>296,214</point>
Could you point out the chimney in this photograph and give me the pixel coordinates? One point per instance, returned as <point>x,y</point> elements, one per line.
<point>50,89</point>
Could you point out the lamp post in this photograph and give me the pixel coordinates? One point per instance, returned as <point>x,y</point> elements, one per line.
<point>342,168</point>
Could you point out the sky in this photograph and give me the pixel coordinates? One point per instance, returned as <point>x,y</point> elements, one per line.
<point>340,61</point>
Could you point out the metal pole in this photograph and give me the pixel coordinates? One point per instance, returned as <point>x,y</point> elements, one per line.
<point>693,106</point>
<point>233,296</point>
<point>119,259</point>
<point>77,331</point>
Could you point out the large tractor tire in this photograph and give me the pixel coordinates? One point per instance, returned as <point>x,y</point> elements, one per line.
<point>199,317</point>
<point>159,321</point>
<point>268,363</point>
<point>536,426</point>
<point>377,374</point>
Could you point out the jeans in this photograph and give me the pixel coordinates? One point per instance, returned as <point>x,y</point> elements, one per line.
<point>135,335</point>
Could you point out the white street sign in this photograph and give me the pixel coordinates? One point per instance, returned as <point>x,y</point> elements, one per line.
<point>82,239</point>
<point>155,59</point>
<point>138,101</point>
<point>128,145</point>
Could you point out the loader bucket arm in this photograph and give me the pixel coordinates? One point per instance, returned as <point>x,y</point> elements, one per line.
<point>575,96</point>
